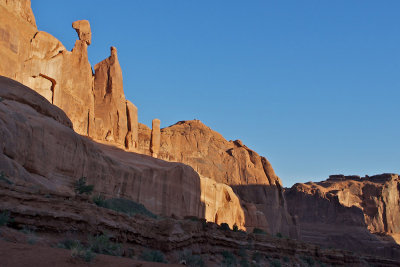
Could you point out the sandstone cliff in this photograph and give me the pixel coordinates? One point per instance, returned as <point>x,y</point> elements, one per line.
<point>39,149</point>
<point>96,105</point>
<point>40,61</point>
<point>250,175</point>
<point>358,214</point>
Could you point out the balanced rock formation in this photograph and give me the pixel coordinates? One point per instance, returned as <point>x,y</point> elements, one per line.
<point>83,30</point>
<point>251,176</point>
<point>39,149</point>
<point>350,212</point>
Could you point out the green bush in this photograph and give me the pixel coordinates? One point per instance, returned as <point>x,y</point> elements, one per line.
<point>82,188</point>
<point>257,257</point>
<point>235,228</point>
<point>30,231</point>
<point>244,261</point>
<point>5,218</point>
<point>68,244</point>
<point>279,235</point>
<point>275,263</point>
<point>153,256</point>
<point>123,205</point>
<point>99,200</point>
<point>229,258</point>
<point>191,260</point>
<point>224,227</point>
<point>80,252</point>
<point>259,231</point>
<point>3,178</point>
<point>101,244</point>
<point>286,259</point>
<point>308,260</point>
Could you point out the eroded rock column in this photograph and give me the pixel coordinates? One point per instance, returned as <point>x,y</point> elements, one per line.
<point>131,140</point>
<point>155,138</point>
<point>109,101</point>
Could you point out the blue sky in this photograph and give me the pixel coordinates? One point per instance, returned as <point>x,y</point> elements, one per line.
<point>312,85</point>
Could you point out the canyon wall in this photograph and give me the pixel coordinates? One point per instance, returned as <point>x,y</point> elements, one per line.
<point>230,162</point>
<point>39,149</point>
<point>95,104</point>
<point>349,212</point>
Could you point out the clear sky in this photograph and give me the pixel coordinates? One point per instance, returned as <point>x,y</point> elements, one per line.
<point>312,85</point>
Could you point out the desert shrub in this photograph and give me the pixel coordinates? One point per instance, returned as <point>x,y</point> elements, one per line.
<point>229,258</point>
<point>259,231</point>
<point>123,205</point>
<point>235,228</point>
<point>244,261</point>
<point>279,235</point>
<point>257,257</point>
<point>31,232</point>
<point>68,244</point>
<point>308,260</point>
<point>286,259</point>
<point>191,260</point>
<point>99,200</point>
<point>82,188</point>
<point>101,244</point>
<point>192,218</point>
<point>153,256</point>
<point>5,218</point>
<point>3,178</point>
<point>275,263</point>
<point>224,227</point>
<point>80,252</point>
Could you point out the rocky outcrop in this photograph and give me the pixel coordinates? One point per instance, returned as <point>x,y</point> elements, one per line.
<point>358,214</point>
<point>38,148</point>
<point>109,99</point>
<point>83,30</point>
<point>132,138</point>
<point>95,103</point>
<point>230,162</point>
<point>155,138</point>
<point>21,8</point>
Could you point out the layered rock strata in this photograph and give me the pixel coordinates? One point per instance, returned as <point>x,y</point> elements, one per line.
<point>57,217</point>
<point>358,214</point>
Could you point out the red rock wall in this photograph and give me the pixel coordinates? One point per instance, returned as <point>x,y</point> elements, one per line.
<point>39,149</point>
<point>358,214</point>
<point>251,176</point>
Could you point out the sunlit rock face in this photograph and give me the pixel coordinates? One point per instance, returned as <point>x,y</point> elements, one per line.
<point>38,148</point>
<point>251,176</point>
<point>65,78</point>
<point>239,186</point>
<point>358,214</point>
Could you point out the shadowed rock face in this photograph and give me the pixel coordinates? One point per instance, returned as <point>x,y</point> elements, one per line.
<point>38,148</point>
<point>359,214</point>
<point>250,175</point>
